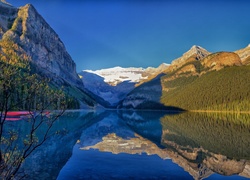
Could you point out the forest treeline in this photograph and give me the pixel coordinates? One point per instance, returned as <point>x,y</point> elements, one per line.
<point>21,88</point>
<point>223,90</point>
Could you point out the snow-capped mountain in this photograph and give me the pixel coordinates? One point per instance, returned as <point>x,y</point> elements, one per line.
<point>116,75</point>
<point>113,84</point>
<point>111,94</point>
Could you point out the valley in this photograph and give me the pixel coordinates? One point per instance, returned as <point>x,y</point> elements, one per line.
<point>196,81</point>
<point>185,120</point>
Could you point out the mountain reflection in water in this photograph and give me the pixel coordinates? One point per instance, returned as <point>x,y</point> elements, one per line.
<point>145,145</point>
<point>154,145</point>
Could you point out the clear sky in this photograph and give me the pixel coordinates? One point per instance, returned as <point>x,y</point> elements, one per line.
<point>140,33</point>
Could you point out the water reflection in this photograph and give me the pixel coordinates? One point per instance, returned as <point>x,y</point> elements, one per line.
<point>200,144</point>
<point>143,145</point>
<point>47,161</point>
<point>115,148</point>
<point>206,143</point>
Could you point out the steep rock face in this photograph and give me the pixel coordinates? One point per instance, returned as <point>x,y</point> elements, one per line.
<point>244,54</point>
<point>219,60</point>
<point>195,53</point>
<point>40,41</point>
<point>36,41</point>
<point>7,15</point>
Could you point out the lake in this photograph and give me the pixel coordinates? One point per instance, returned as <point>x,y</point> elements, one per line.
<point>144,145</point>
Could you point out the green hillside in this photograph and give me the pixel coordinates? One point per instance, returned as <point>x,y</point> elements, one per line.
<point>225,90</point>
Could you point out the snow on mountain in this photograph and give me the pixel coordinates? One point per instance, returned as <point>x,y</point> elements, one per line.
<point>113,84</point>
<point>112,94</point>
<point>116,75</point>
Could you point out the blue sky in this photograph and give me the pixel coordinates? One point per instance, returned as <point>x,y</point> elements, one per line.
<point>106,33</point>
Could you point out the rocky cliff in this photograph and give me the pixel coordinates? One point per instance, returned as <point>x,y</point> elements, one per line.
<point>26,27</point>
<point>35,40</point>
<point>7,15</point>
<point>194,53</point>
<point>220,60</point>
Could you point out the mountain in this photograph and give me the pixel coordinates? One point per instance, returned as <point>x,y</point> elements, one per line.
<point>195,53</point>
<point>215,81</point>
<point>116,75</point>
<point>244,54</point>
<point>111,95</point>
<point>33,36</point>
<point>113,84</point>
<point>28,29</point>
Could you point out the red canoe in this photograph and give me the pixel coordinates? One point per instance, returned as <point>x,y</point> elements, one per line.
<point>18,113</point>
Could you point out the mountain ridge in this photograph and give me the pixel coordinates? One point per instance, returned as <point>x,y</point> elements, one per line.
<point>186,80</point>
<point>113,84</point>
<point>27,28</point>
<point>194,63</point>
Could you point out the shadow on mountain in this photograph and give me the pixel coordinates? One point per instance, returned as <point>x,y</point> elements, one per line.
<point>147,97</point>
<point>105,94</point>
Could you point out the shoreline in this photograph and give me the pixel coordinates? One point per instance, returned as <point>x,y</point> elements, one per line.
<point>217,111</point>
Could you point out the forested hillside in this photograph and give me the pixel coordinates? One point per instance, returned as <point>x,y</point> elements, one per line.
<point>223,90</point>
<point>22,88</point>
<point>216,82</point>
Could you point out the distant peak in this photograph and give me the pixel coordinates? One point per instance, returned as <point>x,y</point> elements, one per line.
<point>197,48</point>
<point>198,51</point>
<point>29,6</point>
